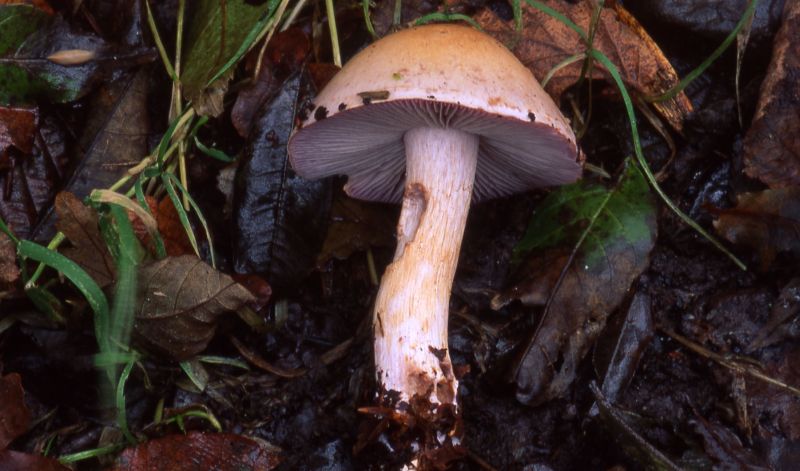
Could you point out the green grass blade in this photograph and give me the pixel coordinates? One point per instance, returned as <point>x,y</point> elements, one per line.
<point>80,279</point>
<point>122,417</point>
<point>446,17</point>
<point>674,91</point>
<point>199,213</point>
<point>184,218</point>
<point>213,153</point>
<point>612,69</point>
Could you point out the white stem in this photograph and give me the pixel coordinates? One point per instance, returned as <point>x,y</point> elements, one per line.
<point>411,309</point>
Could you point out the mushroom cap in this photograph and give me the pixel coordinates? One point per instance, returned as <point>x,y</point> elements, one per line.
<point>440,75</point>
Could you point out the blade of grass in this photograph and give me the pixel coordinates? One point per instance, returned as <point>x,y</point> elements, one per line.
<point>199,213</point>
<point>184,218</point>
<point>563,19</point>
<point>138,189</point>
<point>330,11</point>
<point>612,70</point>
<point>446,17</point>
<point>162,51</point>
<point>365,4</point>
<point>80,279</point>
<point>213,153</point>
<point>122,416</point>
<point>689,78</point>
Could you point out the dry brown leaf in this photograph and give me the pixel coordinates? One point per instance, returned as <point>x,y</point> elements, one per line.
<point>545,42</point>
<point>16,461</point>
<point>79,223</point>
<point>9,272</point>
<point>767,222</point>
<point>196,450</point>
<point>179,301</point>
<point>772,144</point>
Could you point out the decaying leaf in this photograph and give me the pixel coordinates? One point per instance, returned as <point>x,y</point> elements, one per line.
<point>284,55</point>
<point>356,225</point>
<point>30,36</point>
<point>214,33</point>
<point>9,272</point>
<point>617,354</point>
<point>28,181</point>
<point>545,42</point>
<point>179,301</point>
<point>196,450</point>
<point>767,222</point>
<point>618,227</point>
<point>17,129</point>
<point>772,144</point>
<point>280,217</point>
<point>14,414</point>
<point>79,224</point>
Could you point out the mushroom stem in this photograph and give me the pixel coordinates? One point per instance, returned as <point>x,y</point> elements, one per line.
<point>411,310</point>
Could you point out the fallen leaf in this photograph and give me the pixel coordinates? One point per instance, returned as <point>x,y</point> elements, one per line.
<point>356,226</point>
<point>775,408</point>
<point>771,147</point>
<point>613,254</point>
<point>40,4</point>
<point>114,138</point>
<point>17,128</point>
<point>766,221</point>
<point>9,272</point>
<point>28,181</point>
<point>15,417</point>
<point>784,322</point>
<point>197,450</point>
<point>545,42</point>
<point>214,33</point>
<point>285,54</point>
<point>179,301</point>
<point>30,36</point>
<point>79,224</point>
<point>617,354</point>
<point>280,217</point>
<point>16,461</point>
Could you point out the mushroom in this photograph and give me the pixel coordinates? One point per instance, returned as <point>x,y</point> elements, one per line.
<point>434,116</point>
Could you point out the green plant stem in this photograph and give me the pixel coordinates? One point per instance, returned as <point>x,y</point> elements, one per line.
<point>337,55</point>
<point>162,51</point>
<point>54,243</point>
<point>689,78</point>
<point>368,20</point>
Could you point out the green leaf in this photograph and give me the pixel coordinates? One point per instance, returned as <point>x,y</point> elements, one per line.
<point>210,45</point>
<point>600,215</point>
<point>85,284</point>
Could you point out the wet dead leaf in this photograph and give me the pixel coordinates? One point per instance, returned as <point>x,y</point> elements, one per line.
<point>724,447</point>
<point>617,354</point>
<point>772,144</point>
<point>28,180</point>
<point>14,414</point>
<point>79,224</point>
<point>17,128</point>
<point>545,42</point>
<point>766,222</point>
<point>30,36</point>
<point>179,301</point>
<point>773,407</point>
<point>617,227</point>
<point>285,54</point>
<point>356,225</point>
<point>196,450</point>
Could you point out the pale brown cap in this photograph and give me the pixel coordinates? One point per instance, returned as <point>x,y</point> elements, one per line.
<point>445,76</point>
